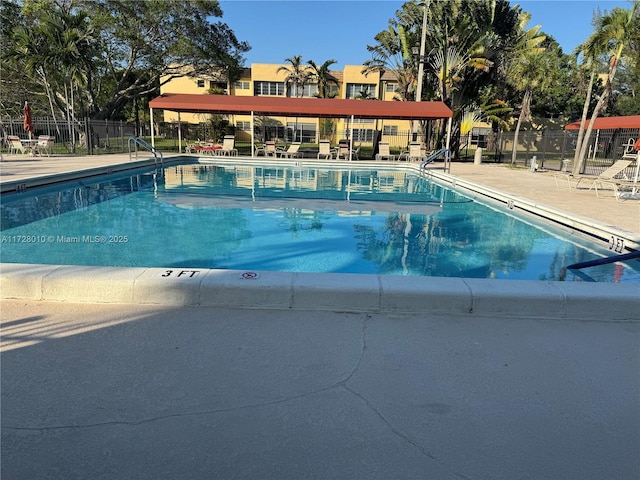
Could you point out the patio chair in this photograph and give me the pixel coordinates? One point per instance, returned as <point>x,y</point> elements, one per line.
<point>608,175</point>
<point>291,152</point>
<point>228,146</point>
<point>384,152</point>
<point>631,149</point>
<point>343,151</point>
<point>325,150</point>
<point>15,145</point>
<point>258,148</point>
<point>45,145</point>
<point>270,149</point>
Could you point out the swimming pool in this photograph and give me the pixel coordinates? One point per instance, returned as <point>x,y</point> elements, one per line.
<point>287,218</point>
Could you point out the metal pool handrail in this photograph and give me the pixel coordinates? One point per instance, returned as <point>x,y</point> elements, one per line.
<point>146,145</point>
<point>447,158</point>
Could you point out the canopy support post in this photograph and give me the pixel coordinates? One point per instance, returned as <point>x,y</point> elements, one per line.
<point>351,139</point>
<point>179,135</point>
<point>449,140</point>
<point>153,138</point>
<point>253,140</point>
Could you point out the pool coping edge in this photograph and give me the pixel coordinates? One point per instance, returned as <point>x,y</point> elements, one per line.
<point>328,291</point>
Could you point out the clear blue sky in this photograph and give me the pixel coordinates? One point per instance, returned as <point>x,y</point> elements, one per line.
<point>320,30</point>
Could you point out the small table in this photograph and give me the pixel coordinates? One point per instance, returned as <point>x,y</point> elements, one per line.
<point>30,145</point>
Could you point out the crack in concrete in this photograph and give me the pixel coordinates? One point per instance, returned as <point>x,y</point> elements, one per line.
<point>213,411</point>
<point>340,384</point>
<point>405,437</point>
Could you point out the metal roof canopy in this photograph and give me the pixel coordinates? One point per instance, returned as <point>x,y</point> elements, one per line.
<point>609,123</point>
<point>301,107</point>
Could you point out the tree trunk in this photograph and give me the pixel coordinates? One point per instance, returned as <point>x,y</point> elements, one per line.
<point>583,121</point>
<point>526,101</point>
<point>580,164</point>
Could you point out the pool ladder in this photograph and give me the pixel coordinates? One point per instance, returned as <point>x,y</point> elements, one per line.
<point>137,141</point>
<point>447,159</point>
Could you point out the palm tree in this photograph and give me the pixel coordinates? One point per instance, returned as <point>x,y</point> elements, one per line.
<point>393,53</point>
<point>322,75</point>
<point>58,51</point>
<point>613,32</point>
<point>527,71</point>
<point>365,94</point>
<point>297,75</point>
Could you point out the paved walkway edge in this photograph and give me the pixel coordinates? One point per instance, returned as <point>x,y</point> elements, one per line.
<point>329,292</point>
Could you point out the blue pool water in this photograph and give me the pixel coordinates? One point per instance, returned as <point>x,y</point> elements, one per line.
<point>288,219</point>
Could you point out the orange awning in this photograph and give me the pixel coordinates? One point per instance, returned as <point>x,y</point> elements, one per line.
<point>301,107</point>
<point>609,123</point>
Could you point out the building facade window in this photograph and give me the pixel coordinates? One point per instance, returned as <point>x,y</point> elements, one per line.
<point>301,132</point>
<point>391,87</point>
<point>358,90</point>
<point>241,85</point>
<point>218,86</point>
<point>200,83</point>
<point>244,126</point>
<point>308,90</point>
<point>363,120</point>
<point>360,134</point>
<point>268,88</point>
<point>333,91</point>
<point>390,130</point>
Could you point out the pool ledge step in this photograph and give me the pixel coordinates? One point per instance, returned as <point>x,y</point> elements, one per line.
<point>331,292</point>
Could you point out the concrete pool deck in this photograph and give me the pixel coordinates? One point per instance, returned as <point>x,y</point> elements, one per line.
<point>505,389</point>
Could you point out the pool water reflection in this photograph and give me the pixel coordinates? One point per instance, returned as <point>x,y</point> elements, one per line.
<point>288,219</point>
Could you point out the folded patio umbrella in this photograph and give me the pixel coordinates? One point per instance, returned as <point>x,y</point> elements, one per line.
<point>28,120</point>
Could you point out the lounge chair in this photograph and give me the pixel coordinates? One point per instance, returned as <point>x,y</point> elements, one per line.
<point>325,150</point>
<point>207,149</point>
<point>609,174</point>
<point>15,145</point>
<point>228,146</point>
<point>617,185</point>
<point>415,152</point>
<point>384,152</point>
<point>631,149</point>
<point>45,145</point>
<point>291,152</point>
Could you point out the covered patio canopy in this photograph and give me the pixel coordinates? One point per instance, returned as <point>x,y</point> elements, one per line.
<point>609,123</point>
<point>300,107</point>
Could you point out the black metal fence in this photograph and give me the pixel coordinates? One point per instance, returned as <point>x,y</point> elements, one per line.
<point>552,149</point>
<point>86,137</point>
